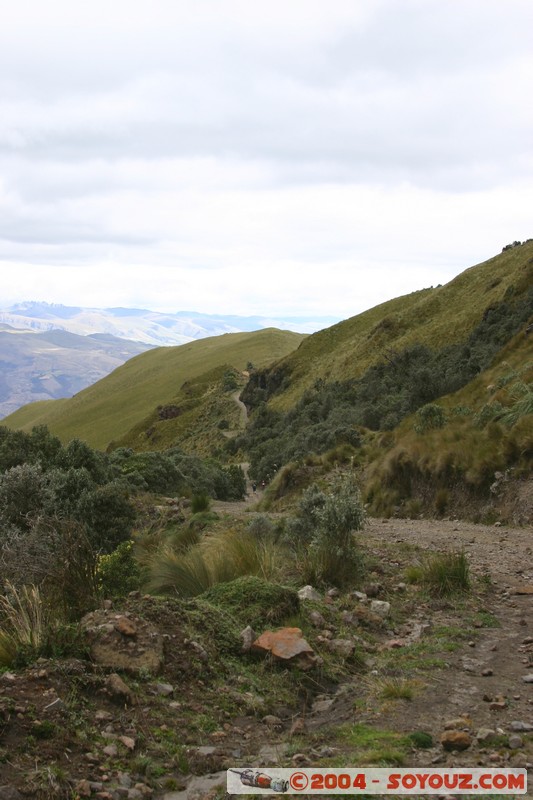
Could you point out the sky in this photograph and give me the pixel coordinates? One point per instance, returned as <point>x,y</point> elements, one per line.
<point>295,157</point>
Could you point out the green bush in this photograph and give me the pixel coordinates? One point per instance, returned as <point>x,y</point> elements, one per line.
<point>446,575</point>
<point>118,573</point>
<point>200,502</point>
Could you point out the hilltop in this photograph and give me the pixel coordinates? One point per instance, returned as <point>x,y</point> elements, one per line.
<point>110,408</point>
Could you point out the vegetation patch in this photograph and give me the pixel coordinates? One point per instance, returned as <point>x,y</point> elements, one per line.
<point>254,601</point>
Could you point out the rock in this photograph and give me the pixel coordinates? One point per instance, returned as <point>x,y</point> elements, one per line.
<point>55,705</point>
<point>125,626</point>
<point>527,678</point>
<point>200,651</point>
<point>127,741</point>
<point>286,644</point>
<point>342,647</point>
<point>515,741</point>
<point>373,589</point>
<point>308,593</point>
<point>200,786</point>
<point>455,740</point>
<point>129,644</point>
<point>380,607</point>
<point>333,593</point>
<point>487,672</point>
<point>316,619</point>
<point>103,716</point>
<point>360,596</point>
<point>164,689</point>
<point>524,727</point>
<point>322,704</point>
<point>248,637</point>
<point>118,691</point>
<point>485,735</point>
<point>110,750</point>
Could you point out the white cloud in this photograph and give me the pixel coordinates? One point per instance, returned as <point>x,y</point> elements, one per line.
<point>259,157</point>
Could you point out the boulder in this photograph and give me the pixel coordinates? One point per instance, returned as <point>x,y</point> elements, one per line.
<point>123,642</point>
<point>286,644</point>
<point>308,593</point>
<point>456,740</point>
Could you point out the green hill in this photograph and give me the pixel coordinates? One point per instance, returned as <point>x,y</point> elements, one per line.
<point>433,317</point>
<point>108,409</point>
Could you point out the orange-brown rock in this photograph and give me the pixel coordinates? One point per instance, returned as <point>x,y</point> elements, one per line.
<point>456,740</point>
<point>286,644</point>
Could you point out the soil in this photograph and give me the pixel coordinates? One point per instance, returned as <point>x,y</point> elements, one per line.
<point>464,658</point>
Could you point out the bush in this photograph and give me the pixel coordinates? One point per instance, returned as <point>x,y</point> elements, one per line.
<point>118,573</point>
<point>323,532</point>
<point>200,502</point>
<point>446,575</point>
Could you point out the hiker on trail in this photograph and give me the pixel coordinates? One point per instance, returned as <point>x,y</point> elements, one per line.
<point>263,486</point>
<point>254,487</point>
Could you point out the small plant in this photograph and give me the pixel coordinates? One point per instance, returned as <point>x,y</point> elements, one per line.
<point>200,502</point>
<point>421,740</point>
<point>24,623</point>
<point>447,574</point>
<point>396,689</point>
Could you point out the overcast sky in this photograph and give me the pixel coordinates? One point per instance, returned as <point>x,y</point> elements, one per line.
<point>259,156</point>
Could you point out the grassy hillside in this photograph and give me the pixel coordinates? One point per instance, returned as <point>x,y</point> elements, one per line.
<point>433,317</point>
<point>108,409</point>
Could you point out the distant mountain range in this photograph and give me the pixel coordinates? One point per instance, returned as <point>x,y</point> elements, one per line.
<point>50,351</point>
<point>48,365</point>
<point>151,327</point>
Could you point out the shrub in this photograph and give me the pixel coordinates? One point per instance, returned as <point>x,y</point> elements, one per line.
<point>429,417</point>
<point>118,573</point>
<point>447,574</point>
<point>200,502</point>
<point>323,532</point>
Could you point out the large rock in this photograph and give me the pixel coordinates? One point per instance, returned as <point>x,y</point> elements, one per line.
<point>286,644</point>
<point>123,642</point>
<point>200,787</point>
<point>456,740</point>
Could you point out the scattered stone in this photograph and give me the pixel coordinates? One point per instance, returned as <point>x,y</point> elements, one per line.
<point>127,741</point>
<point>286,644</point>
<point>456,740</point>
<point>117,690</point>
<point>380,607</point>
<point>248,637</point>
<point>110,750</point>
<point>485,735</point>
<point>200,651</point>
<point>342,647</point>
<point>528,678</point>
<point>333,593</point>
<point>515,741</point>
<point>322,704</point>
<point>308,593</point>
<point>401,587</point>
<point>373,589</point>
<point>528,589</point>
<point>393,644</point>
<point>316,619</point>
<point>525,727</point>
<point>498,704</point>
<point>361,596</point>
<point>164,689</point>
<point>103,716</point>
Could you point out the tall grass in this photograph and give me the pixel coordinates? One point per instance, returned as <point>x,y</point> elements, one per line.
<point>216,560</point>
<point>446,575</point>
<point>23,624</point>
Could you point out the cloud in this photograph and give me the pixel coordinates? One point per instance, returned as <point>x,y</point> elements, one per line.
<point>298,154</point>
